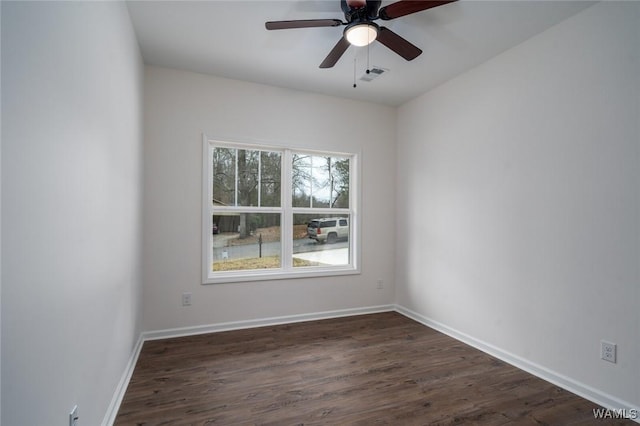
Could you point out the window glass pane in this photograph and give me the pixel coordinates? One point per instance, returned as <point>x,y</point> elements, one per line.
<point>246,177</point>
<point>244,241</point>
<point>248,169</point>
<point>301,180</point>
<point>224,176</point>
<point>320,240</point>
<point>339,182</point>
<point>270,179</point>
<point>320,181</point>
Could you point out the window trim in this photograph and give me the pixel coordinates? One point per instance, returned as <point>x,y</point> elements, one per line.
<point>286,271</point>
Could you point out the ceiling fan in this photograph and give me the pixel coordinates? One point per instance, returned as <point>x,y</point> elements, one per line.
<point>361,30</point>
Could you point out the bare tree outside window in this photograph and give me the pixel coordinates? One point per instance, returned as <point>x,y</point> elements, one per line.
<point>320,181</point>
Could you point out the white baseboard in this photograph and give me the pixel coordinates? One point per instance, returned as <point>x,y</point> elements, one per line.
<point>114,406</point>
<point>602,399</point>
<point>263,322</point>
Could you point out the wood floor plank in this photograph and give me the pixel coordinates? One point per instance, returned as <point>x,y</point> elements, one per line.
<point>379,369</point>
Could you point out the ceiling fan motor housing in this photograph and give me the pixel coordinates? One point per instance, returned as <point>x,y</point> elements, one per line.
<point>360,10</point>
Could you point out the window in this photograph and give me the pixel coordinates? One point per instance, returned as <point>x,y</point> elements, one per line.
<point>271,213</point>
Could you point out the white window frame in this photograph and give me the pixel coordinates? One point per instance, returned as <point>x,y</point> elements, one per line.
<point>286,221</point>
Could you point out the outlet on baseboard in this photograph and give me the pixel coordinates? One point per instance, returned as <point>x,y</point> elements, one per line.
<point>73,416</point>
<point>608,351</point>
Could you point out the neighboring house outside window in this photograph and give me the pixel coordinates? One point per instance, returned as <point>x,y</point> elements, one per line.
<point>272,212</point>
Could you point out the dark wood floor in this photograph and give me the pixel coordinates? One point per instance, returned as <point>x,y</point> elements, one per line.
<point>365,370</point>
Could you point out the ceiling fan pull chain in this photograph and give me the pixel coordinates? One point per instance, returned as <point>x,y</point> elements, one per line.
<point>368,71</point>
<point>354,73</point>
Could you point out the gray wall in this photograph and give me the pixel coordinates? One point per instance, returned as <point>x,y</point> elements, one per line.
<point>71,207</point>
<point>519,199</point>
<point>179,107</point>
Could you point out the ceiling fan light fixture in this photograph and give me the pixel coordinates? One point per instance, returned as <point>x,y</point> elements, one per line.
<point>361,34</point>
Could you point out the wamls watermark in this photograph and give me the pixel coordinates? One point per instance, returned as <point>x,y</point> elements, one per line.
<point>617,413</point>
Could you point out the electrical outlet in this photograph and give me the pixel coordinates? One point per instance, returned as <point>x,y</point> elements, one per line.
<point>73,417</point>
<point>379,284</point>
<point>608,351</point>
<point>186,299</point>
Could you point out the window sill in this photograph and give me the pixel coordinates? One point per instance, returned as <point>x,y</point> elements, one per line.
<point>278,274</point>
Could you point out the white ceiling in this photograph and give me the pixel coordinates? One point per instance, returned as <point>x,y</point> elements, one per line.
<point>228,39</point>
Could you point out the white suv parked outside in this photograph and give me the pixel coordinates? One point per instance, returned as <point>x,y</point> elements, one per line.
<point>328,229</point>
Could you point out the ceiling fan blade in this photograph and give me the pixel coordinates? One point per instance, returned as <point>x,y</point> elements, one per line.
<point>302,23</point>
<point>335,54</point>
<point>407,7</point>
<point>398,44</point>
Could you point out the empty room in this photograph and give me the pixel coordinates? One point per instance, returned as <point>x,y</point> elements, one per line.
<point>320,212</point>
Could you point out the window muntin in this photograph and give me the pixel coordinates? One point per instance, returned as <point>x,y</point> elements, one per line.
<point>243,197</point>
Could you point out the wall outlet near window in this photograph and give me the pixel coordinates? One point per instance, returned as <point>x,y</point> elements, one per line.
<point>73,416</point>
<point>186,299</point>
<point>379,284</point>
<point>608,351</point>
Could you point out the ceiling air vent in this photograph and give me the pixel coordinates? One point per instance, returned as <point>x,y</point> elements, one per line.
<point>373,73</point>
